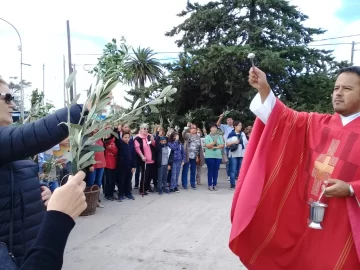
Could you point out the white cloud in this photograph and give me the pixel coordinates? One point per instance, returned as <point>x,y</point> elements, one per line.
<point>42,25</point>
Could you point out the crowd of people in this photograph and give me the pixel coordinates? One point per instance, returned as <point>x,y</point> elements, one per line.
<point>155,159</point>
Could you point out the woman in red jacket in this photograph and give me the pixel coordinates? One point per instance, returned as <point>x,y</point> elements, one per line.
<point>95,177</point>
<point>111,152</point>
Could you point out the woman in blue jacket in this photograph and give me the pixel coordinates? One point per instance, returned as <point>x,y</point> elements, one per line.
<point>17,145</point>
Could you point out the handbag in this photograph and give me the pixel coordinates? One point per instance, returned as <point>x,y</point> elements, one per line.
<point>7,259</point>
<point>198,160</point>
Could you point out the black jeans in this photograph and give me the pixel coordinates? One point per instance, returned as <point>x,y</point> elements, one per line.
<point>124,181</point>
<point>109,182</point>
<point>147,175</point>
<point>137,174</point>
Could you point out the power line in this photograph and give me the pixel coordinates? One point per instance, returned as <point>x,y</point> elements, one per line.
<point>335,38</point>
<point>97,64</point>
<point>85,54</point>
<point>332,44</point>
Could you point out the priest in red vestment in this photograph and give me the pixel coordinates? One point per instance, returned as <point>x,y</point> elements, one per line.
<point>291,157</point>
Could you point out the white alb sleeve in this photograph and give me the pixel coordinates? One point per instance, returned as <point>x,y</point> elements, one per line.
<point>263,110</point>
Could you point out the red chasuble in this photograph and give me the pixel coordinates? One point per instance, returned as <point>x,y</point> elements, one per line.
<point>285,164</point>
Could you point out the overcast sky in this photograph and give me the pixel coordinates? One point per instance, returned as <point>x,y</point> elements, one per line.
<point>42,25</point>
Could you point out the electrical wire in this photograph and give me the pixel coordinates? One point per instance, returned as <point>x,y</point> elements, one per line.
<point>324,39</point>
<point>331,44</point>
<point>85,54</point>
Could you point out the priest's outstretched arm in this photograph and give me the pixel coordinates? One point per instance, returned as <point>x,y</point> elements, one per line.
<point>264,102</point>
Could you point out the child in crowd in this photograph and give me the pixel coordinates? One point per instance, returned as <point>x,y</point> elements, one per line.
<point>164,163</point>
<point>127,165</point>
<point>95,177</point>
<point>178,160</point>
<point>111,152</point>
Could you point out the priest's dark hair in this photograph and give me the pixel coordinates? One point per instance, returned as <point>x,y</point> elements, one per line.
<point>352,69</point>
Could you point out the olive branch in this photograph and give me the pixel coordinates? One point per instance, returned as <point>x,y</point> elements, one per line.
<point>92,126</point>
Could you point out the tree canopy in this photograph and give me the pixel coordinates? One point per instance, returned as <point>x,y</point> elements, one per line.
<point>211,73</point>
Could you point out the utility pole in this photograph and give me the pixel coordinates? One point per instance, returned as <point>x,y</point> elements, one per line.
<point>22,112</point>
<point>75,93</point>
<point>69,58</point>
<point>44,80</point>
<point>352,52</point>
<point>64,67</point>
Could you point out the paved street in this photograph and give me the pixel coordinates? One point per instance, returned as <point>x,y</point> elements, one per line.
<point>189,230</point>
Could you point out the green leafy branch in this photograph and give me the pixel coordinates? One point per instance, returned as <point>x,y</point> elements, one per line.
<point>92,126</point>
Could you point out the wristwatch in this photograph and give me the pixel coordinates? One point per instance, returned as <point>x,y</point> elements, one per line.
<point>352,193</point>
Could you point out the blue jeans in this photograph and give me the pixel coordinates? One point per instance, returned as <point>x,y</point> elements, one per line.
<point>213,165</point>
<point>95,177</point>
<point>162,177</point>
<point>235,165</point>
<point>185,173</point>
<point>175,172</point>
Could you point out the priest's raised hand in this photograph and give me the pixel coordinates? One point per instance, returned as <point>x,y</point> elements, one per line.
<point>257,79</point>
<point>289,157</point>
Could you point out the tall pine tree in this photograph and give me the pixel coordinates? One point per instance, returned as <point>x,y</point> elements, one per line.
<point>218,36</point>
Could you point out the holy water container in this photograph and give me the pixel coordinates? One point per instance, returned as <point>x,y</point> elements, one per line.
<point>317,212</point>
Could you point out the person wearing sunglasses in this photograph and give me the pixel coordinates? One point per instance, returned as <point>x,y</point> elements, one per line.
<point>19,183</point>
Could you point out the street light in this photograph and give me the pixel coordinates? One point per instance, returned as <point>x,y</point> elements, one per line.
<point>21,71</point>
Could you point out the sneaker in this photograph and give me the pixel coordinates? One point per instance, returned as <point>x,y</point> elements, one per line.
<point>185,188</point>
<point>229,178</point>
<point>144,193</point>
<point>166,191</point>
<point>232,186</point>
<point>176,190</point>
<point>151,190</point>
<point>119,199</point>
<point>194,188</point>
<point>210,188</point>
<point>130,197</point>
<point>109,198</point>
<point>172,190</point>
<point>215,188</point>
<point>100,205</point>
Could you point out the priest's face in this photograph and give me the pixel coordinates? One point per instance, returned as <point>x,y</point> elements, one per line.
<point>346,95</point>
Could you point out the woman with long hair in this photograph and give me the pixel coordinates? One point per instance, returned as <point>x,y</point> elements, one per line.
<point>194,155</point>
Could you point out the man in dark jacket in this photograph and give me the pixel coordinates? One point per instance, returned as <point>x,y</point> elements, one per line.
<point>17,145</point>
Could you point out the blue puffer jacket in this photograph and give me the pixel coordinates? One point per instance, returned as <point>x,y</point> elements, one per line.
<point>17,144</point>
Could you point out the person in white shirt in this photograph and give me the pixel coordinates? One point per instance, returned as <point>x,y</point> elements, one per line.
<point>236,143</point>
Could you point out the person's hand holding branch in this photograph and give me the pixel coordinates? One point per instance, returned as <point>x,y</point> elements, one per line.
<point>69,198</point>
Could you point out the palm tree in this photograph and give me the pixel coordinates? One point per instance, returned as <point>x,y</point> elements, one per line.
<point>143,67</point>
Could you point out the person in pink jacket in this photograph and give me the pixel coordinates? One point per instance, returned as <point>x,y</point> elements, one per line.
<point>146,157</point>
